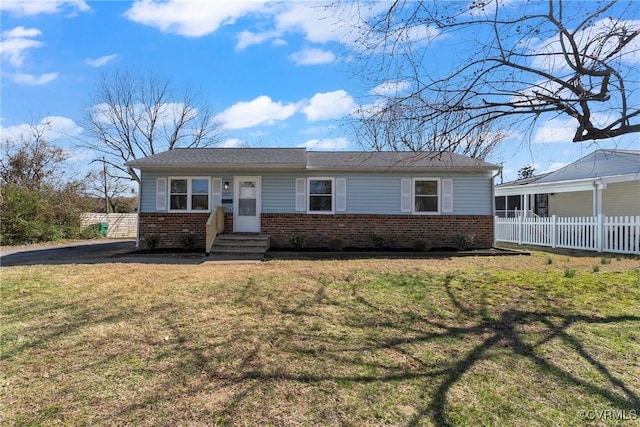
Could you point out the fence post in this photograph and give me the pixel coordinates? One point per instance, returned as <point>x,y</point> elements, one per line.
<point>600,233</point>
<point>520,229</point>
<point>553,231</point>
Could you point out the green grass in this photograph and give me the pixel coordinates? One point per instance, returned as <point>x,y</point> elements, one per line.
<point>466,341</point>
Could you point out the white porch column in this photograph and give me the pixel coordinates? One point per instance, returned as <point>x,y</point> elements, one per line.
<point>597,198</point>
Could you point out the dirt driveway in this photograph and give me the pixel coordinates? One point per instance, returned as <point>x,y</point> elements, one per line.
<point>83,251</point>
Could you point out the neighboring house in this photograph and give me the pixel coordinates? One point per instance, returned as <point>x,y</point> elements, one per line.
<point>287,192</point>
<point>604,182</point>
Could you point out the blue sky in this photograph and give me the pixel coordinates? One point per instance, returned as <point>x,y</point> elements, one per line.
<point>276,73</point>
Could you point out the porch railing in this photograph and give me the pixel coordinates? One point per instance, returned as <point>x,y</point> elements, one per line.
<point>599,233</point>
<point>215,226</point>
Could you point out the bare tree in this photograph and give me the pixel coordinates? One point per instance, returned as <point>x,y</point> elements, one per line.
<point>400,125</point>
<point>30,161</point>
<point>115,192</point>
<point>526,61</point>
<point>134,116</point>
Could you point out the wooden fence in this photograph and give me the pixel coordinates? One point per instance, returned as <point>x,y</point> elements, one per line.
<point>599,233</point>
<point>120,225</point>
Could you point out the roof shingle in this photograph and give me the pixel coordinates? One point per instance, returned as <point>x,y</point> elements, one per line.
<point>301,158</point>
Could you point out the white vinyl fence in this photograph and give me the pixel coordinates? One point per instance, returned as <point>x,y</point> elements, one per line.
<point>599,233</point>
<point>119,224</point>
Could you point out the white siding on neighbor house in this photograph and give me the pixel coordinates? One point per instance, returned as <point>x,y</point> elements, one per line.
<point>366,194</point>
<point>621,199</point>
<point>576,203</point>
<point>618,199</point>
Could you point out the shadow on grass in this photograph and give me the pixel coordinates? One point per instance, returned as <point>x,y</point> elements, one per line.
<point>500,333</point>
<point>205,357</point>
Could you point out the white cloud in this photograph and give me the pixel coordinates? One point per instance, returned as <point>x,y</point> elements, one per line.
<point>30,7</point>
<point>329,105</point>
<point>555,130</point>
<point>327,144</point>
<point>313,57</point>
<point>249,38</point>
<point>101,61</point>
<point>234,143</point>
<point>191,19</point>
<point>18,32</point>
<point>390,88</point>
<point>261,110</point>
<point>60,127</point>
<point>52,128</point>
<point>593,36</point>
<point>317,21</point>
<point>32,80</point>
<point>16,42</point>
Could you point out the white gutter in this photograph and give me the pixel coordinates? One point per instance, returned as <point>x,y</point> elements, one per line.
<point>585,184</point>
<point>493,203</point>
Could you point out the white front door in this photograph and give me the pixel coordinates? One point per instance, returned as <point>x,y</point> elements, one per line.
<point>246,204</point>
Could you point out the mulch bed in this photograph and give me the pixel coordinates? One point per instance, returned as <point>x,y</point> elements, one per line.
<point>349,253</point>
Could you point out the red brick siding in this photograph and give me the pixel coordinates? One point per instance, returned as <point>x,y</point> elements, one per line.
<point>400,231</point>
<point>170,228</point>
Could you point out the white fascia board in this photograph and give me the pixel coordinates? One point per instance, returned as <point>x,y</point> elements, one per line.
<point>586,184</point>
<point>620,178</point>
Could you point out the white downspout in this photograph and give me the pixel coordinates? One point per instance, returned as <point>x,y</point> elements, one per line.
<point>138,213</point>
<point>493,203</point>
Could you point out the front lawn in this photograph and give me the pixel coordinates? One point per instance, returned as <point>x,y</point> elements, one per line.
<point>520,341</point>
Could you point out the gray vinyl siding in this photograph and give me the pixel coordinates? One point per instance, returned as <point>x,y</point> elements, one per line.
<point>366,194</point>
<point>278,193</point>
<point>472,195</point>
<point>148,191</point>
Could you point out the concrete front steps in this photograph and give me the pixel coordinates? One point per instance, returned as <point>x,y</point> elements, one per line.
<point>240,246</point>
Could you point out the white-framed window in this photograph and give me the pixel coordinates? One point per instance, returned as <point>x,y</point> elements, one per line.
<point>189,193</point>
<point>321,195</point>
<point>426,195</point>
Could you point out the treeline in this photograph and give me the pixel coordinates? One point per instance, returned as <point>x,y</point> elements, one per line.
<point>37,201</point>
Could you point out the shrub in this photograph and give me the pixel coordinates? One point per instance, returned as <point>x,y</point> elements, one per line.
<point>378,240</point>
<point>549,260</point>
<point>596,268</point>
<point>91,232</point>
<point>188,241</point>
<point>297,241</point>
<point>464,242</point>
<point>421,245</point>
<point>605,260</point>
<point>39,215</point>
<point>569,272</point>
<point>151,241</point>
<point>335,245</point>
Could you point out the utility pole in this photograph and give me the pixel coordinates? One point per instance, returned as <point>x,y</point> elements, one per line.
<point>106,194</point>
<point>105,187</point>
